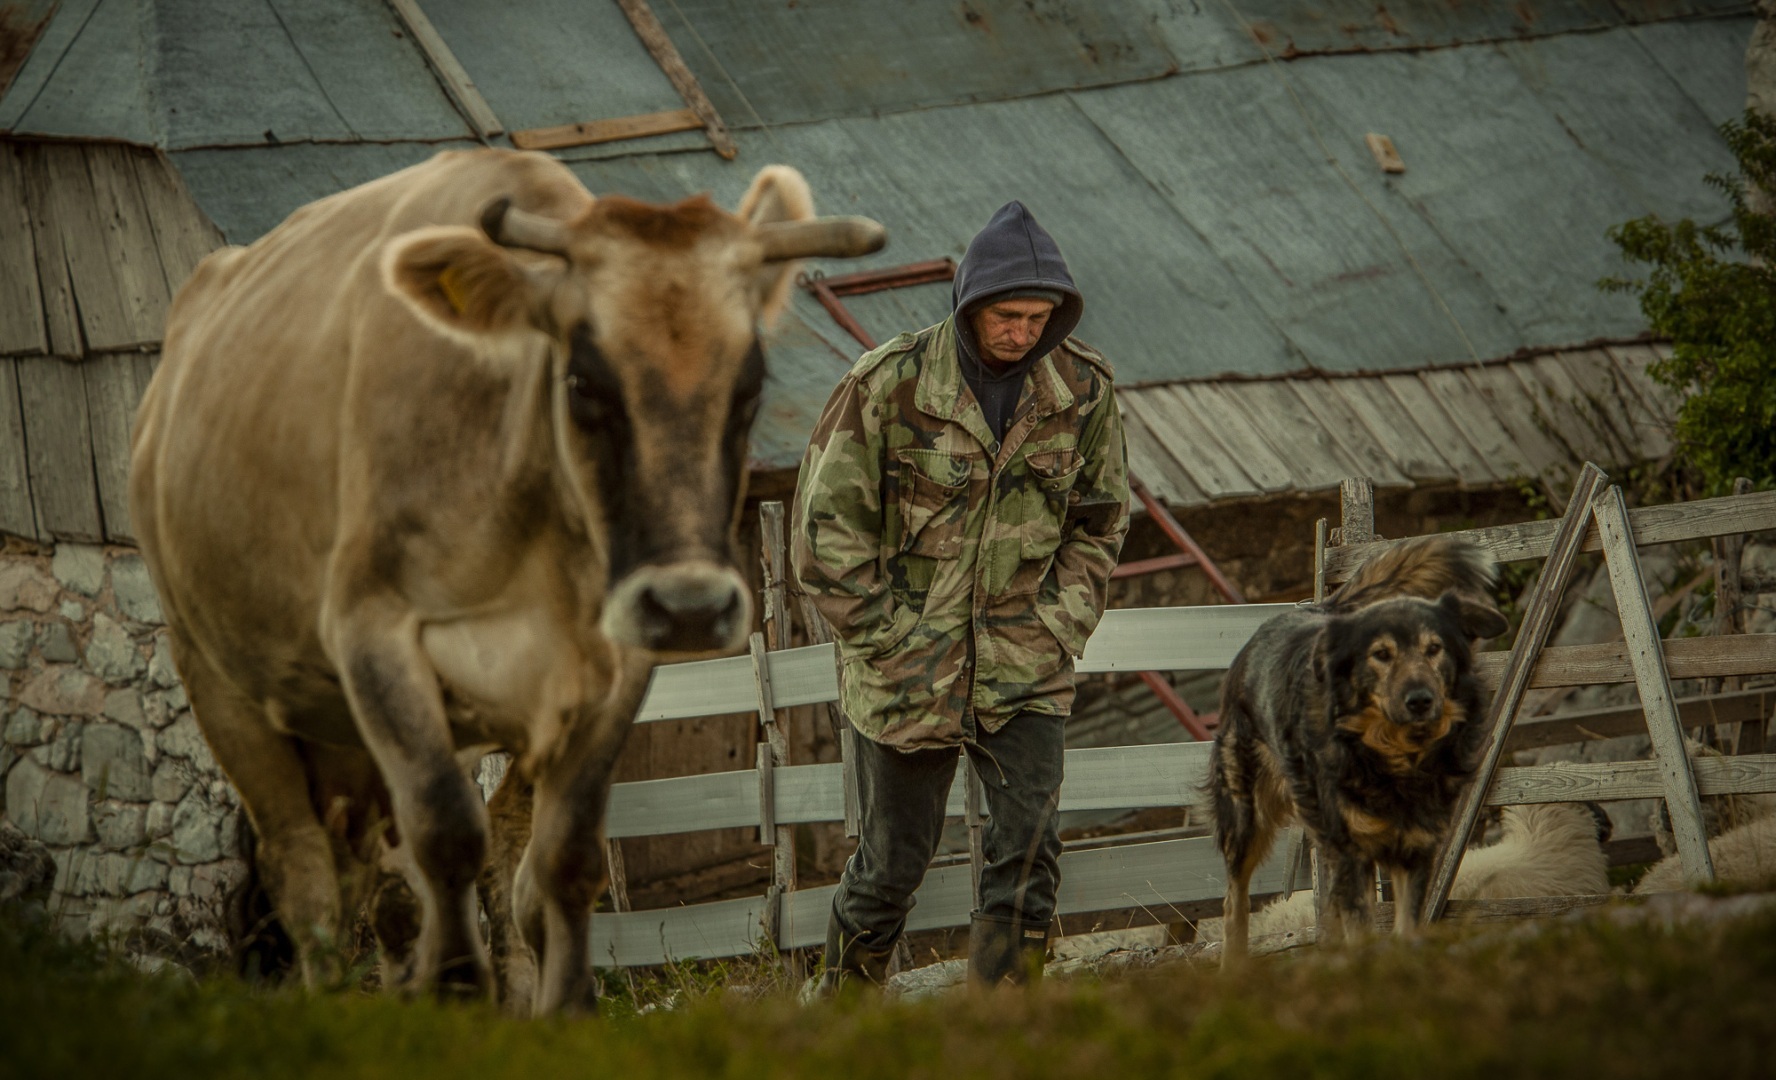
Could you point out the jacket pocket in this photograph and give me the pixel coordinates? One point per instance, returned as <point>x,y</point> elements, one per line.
<point>932,507</point>
<point>1052,476</point>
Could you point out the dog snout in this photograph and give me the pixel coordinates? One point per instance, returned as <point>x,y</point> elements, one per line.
<point>1419,702</point>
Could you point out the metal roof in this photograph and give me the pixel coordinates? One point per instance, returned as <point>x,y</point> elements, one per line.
<point>1202,165</point>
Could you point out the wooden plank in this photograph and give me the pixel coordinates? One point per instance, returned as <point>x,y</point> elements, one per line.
<point>614,129</point>
<point>59,455</point>
<point>1413,452</point>
<point>1173,639</point>
<point>665,53</point>
<point>1231,427</point>
<point>1473,461</point>
<point>1667,523</point>
<point>1564,412</point>
<point>107,318</point>
<point>61,318</point>
<point>129,242</point>
<point>183,235</point>
<point>1343,427</point>
<point>1752,774</point>
<point>1613,722</point>
<point>1611,662</point>
<point>1156,876</point>
<point>1203,459</point>
<point>1539,613</point>
<point>1632,362</point>
<point>1270,411</point>
<point>1097,778</point>
<point>1600,388</point>
<point>1641,634</point>
<point>1472,414</point>
<point>1514,409</point>
<point>1148,459</point>
<point>21,301</point>
<point>1356,510</point>
<point>17,515</point>
<point>1651,431</point>
<point>449,70</point>
<point>112,393</point>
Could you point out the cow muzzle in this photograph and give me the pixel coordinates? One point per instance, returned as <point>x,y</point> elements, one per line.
<point>679,607</point>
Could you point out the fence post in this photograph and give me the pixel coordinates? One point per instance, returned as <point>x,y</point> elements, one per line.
<point>774,751</point>
<point>1729,598</point>
<point>1356,497</point>
<point>1647,655</point>
<point>1532,634</point>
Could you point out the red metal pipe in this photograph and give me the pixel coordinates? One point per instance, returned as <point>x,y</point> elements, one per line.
<point>1169,525</point>
<point>1149,566</point>
<point>818,286</point>
<point>895,277</point>
<point>1177,705</point>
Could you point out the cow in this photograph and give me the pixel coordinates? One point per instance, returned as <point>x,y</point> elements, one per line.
<point>444,463</point>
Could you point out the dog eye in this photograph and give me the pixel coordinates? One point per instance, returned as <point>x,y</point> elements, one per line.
<point>1382,653</point>
<point>1434,649</point>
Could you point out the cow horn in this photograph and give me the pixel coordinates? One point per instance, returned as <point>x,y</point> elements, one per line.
<point>515,228</point>
<point>833,237</point>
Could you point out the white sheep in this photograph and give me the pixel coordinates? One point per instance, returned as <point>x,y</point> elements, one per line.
<point>1548,849</point>
<point>1745,854</point>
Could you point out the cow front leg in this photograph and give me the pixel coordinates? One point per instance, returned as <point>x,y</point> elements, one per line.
<point>564,871</point>
<point>399,711</point>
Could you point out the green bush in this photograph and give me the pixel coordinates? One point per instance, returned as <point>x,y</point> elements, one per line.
<point>1712,293</point>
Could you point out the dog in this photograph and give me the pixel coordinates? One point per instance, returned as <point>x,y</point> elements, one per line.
<point>1361,718</point>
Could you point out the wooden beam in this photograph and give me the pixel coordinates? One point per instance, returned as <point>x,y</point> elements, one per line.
<point>58,441</point>
<point>1611,662</point>
<point>1609,723</point>
<point>21,301</point>
<point>603,131</point>
<point>1538,622</point>
<point>1750,774</point>
<point>17,515</point>
<point>1641,632</point>
<point>113,390</point>
<point>1663,524</point>
<point>653,36</point>
<point>449,70</point>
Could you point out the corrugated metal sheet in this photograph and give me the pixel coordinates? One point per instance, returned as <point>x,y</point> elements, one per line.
<point>547,62</point>
<point>184,73</point>
<point>1207,227</point>
<point>1532,421</point>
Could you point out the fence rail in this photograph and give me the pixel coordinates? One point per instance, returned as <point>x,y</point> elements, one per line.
<point>1158,875</point>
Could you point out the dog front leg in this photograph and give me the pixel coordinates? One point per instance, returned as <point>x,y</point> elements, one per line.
<point>1350,897</point>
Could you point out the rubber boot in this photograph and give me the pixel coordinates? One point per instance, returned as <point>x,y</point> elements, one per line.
<point>849,962</point>
<point>1004,950</point>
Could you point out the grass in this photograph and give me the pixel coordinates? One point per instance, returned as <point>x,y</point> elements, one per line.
<point>1577,998</point>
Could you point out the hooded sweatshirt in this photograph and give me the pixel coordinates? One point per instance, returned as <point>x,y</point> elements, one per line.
<point>1013,252</point>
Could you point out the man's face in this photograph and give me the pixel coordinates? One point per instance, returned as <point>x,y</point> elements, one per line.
<point>1006,329</point>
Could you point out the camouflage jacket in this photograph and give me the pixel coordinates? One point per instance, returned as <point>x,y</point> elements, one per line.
<point>960,576</point>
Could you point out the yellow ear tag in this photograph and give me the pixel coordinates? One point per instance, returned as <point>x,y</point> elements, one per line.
<point>450,283</point>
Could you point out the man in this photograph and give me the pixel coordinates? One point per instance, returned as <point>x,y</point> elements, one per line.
<point>960,509</point>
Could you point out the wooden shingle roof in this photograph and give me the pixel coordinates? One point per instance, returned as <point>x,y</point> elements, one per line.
<point>1534,420</point>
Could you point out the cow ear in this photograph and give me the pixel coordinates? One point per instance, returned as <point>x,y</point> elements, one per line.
<point>1477,618</point>
<point>778,193</point>
<point>460,281</point>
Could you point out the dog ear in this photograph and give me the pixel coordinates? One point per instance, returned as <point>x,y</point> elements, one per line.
<point>1477,618</point>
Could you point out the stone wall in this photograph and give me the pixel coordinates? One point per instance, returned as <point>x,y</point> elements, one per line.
<point>100,759</point>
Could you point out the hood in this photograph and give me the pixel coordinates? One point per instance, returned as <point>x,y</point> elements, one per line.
<point>1014,252</point>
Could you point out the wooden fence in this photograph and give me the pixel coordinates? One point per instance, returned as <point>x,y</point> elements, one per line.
<point>1160,875</point>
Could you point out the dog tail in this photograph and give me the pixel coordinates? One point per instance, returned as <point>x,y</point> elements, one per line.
<point>1426,568</point>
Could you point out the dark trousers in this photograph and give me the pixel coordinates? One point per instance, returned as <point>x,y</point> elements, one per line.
<point>902,796</point>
